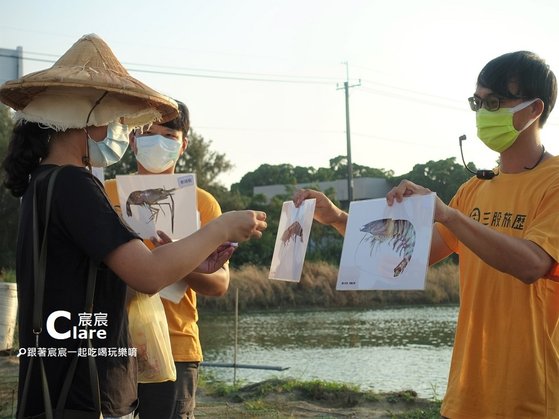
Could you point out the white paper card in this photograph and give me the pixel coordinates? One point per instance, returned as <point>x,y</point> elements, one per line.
<point>160,202</point>
<point>387,248</point>
<point>175,291</point>
<point>292,240</point>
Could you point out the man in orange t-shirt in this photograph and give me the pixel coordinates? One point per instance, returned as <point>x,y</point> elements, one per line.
<point>157,150</point>
<point>505,227</point>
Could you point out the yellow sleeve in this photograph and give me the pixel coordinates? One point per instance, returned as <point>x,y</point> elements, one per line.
<point>112,194</point>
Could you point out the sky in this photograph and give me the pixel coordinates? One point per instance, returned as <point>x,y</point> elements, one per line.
<point>263,79</point>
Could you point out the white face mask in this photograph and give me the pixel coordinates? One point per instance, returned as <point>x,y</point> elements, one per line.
<point>111,149</point>
<point>156,152</point>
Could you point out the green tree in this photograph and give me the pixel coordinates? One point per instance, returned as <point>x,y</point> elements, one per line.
<point>286,174</point>
<point>267,174</point>
<point>229,200</point>
<point>200,159</point>
<point>125,166</point>
<point>9,205</point>
<point>443,177</point>
<point>259,252</point>
<point>325,243</point>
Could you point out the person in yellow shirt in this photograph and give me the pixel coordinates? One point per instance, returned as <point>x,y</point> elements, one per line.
<point>505,361</point>
<point>157,150</point>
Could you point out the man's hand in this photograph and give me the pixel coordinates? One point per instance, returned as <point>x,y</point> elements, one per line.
<point>407,188</point>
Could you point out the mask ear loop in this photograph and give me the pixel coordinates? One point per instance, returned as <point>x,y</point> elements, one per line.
<point>85,159</point>
<point>520,107</point>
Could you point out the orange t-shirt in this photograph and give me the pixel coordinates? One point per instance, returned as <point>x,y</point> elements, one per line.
<point>505,361</point>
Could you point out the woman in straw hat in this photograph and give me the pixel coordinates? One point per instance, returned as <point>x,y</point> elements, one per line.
<point>77,114</point>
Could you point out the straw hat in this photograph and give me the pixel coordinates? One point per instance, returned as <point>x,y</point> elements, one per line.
<point>62,96</point>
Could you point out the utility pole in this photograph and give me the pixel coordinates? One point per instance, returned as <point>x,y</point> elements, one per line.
<point>348,134</point>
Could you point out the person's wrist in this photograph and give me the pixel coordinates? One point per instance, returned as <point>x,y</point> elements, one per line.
<point>342,217</point>
<point>340,222</point>
<point>220,227</point>
<point>448,216</point>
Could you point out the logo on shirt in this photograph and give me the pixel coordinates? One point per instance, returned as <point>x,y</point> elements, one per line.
<point>499,219</point>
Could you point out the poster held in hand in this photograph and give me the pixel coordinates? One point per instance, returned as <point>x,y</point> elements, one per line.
<point>387,248</point>
<point>160,202</point>
<point>292,240</point>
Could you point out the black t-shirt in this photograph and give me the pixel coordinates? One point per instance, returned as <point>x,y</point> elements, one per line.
<point>82,225</point>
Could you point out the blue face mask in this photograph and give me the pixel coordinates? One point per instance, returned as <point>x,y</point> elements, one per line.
<point>157,153</point>
<point>111,149</point>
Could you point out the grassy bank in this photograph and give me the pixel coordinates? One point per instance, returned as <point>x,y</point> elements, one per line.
<point>288,398</point>
<point>277,398</point>
<point>317,288</point>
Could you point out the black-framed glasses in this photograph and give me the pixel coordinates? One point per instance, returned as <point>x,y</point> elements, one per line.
<point>490,102</point>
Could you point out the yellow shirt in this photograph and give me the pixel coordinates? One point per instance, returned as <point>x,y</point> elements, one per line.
<point>505,362</point>
<point>182,317</point>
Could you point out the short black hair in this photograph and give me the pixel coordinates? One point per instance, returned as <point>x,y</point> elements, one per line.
<point>181,122</point>
<point>529,71</point>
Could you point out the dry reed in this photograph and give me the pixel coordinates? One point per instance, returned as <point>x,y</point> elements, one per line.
<point>317,288</point>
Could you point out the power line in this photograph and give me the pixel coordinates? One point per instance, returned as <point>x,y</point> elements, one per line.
<point>263,77</point>
<point>257,77</point>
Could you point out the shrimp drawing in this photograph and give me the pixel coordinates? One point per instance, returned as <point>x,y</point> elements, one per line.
<point>399,234</point>
<point>150,199</point>
<point>292,231</point>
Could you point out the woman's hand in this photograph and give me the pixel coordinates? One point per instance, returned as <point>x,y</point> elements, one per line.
<point>242,225</point>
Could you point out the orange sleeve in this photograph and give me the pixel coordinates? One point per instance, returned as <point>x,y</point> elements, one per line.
<point>553,273</point>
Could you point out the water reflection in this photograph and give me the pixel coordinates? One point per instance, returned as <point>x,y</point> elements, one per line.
<point>383,349</point>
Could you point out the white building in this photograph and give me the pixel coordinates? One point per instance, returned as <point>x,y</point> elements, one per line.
<point>11,64</point>
<point>363,188</point>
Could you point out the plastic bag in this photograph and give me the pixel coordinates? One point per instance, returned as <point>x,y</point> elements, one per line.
<point>149,334</point>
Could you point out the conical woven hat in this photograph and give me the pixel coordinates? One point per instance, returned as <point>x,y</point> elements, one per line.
<point>62,96</point>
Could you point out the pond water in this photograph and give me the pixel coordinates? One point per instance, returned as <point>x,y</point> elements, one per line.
<point>383,349</point>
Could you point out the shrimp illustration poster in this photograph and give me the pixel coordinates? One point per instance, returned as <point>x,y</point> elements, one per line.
<point>159,202</point>
<point>387,248</point>
<point>292,240</point>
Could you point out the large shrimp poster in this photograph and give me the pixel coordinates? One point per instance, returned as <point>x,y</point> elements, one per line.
<point>387,248</point>
<point>159,202</point>
<point>292,240</point>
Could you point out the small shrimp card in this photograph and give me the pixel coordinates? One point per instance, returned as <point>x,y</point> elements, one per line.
<point>387,248</point>
<point>159,202</point>
<point>292,240</point>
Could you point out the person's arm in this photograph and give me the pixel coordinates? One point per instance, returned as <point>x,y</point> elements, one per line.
<point>520,258</point>
<point>211,277</point>
<point>325,212</point>
<point>214,284</point>
<point>150,270</point>
<point>439,249</point>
